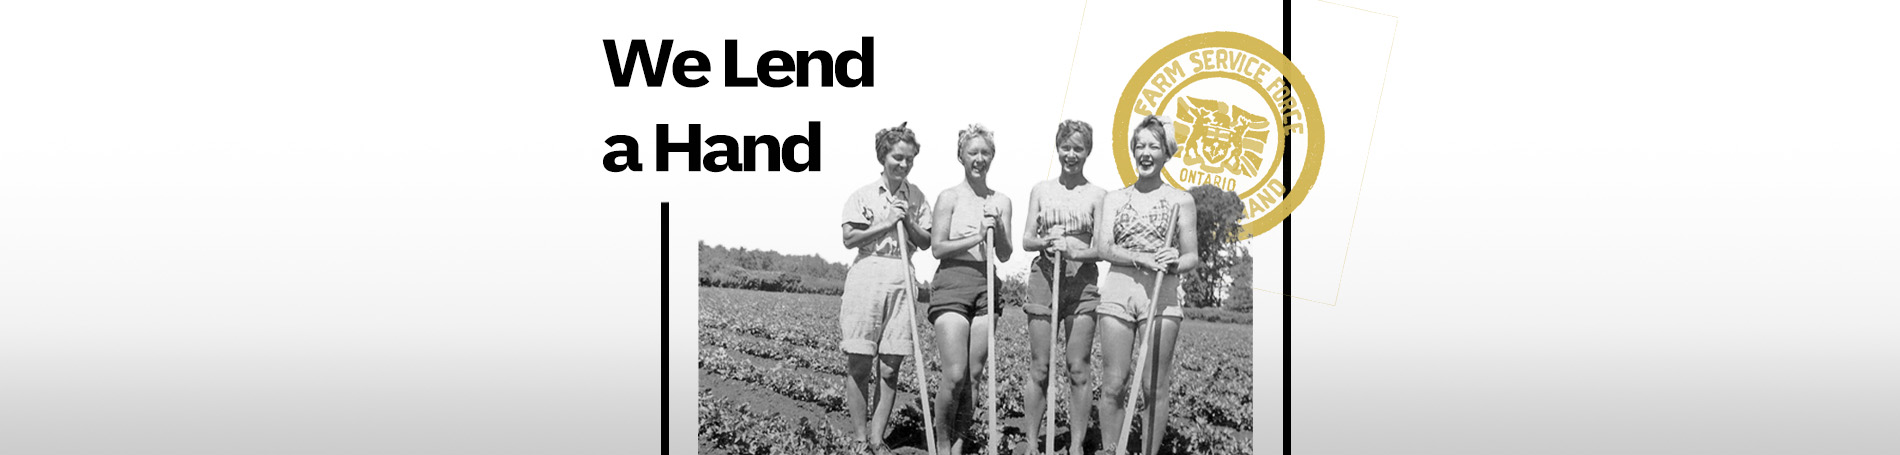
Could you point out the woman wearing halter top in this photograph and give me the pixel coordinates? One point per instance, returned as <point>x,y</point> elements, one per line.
<point>959,292</point>
<point>1132,234</point>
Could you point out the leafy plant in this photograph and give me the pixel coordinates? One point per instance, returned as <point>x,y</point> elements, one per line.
<point>784,345</point>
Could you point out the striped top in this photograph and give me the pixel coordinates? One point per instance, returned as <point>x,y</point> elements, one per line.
<point>1066,212</point>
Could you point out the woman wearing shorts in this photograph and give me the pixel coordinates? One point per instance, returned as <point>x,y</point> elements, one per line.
<point>876,289</point>
<point>1062,220</point>
<point>1132,236</point>
<point>959,292</point>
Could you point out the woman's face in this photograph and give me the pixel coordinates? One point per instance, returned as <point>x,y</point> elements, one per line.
<point>1150,157</point>
<point>976,156</point>
<point>897,162</point>
<point>1072,154</point>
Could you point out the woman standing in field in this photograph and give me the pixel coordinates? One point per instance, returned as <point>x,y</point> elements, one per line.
<point>1132,235</point>
<point>876,287</point>
<point>959,291</point>
<point>1062,221</point>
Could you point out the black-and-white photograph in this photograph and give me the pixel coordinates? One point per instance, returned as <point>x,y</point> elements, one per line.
<point>1100,316</point>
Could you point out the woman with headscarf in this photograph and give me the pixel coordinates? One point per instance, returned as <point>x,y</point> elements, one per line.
<point>1145,232</point>
<point>877,286</point>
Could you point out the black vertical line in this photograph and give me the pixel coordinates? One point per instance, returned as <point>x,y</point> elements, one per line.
<point>666,336</point>
<point>1286,256</point>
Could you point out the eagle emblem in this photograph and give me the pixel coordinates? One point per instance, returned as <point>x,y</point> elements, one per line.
<point>1221,138</point>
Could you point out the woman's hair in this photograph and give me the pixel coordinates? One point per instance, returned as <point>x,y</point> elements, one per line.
<point>889,137</point>
<point>976,131</point>
<point>1071,127</point>
<point>1162,128</point>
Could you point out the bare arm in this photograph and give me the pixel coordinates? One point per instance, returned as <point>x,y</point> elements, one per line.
<point>1032,242</point>
<point>856,235</point>
<point>1088,252</point>
<point>919,236</point>
<point>1007,212</point>
<point>1187,235</point>
<point>1085,253</point>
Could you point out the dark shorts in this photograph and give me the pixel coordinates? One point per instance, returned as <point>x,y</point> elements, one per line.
<point>959,287</point>
<point>1079,295</point>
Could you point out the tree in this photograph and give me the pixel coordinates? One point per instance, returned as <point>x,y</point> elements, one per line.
<point>1240,293</point>
<point>1218,225</point>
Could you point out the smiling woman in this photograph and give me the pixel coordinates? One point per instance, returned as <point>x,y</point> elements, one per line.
<point>960,293</point>
<point>882,220</point>
<point>1149,226</point>
<point>1061,227</point>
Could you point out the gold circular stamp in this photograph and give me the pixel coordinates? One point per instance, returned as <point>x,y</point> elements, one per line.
<point>1239,107</point>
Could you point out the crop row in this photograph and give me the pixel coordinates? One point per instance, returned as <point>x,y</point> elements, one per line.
<point>1211,394</point>
<point>731,427</point>
<point>789,357</point>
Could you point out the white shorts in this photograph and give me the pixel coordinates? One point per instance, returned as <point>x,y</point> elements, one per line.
<point>1125,292</point>
<point>870,313</point>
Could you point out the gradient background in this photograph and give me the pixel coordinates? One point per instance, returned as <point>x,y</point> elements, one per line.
<point>370,227</point>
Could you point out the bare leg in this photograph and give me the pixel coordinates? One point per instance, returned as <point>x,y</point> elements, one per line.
<point>953,339</point>
<point>980,327</point>
<point>1118,345</point>
<point>1081,338</point>
<point>1038,382</point>
<point>857,387</point>
<point>886,394</point>
<point>1156,422</point>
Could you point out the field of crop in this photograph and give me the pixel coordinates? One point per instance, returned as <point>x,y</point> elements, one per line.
<point>772,381</point>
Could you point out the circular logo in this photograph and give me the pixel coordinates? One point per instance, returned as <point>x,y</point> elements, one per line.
<point>1239,109</point>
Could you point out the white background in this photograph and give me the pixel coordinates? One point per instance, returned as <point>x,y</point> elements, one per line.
<point>1623,227</point>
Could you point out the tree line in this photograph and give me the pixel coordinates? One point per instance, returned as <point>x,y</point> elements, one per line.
<point>767,270</point>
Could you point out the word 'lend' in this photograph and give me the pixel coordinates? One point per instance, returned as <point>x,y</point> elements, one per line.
<point>775,68</point>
